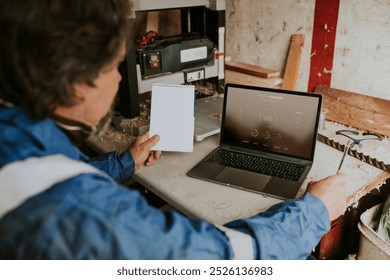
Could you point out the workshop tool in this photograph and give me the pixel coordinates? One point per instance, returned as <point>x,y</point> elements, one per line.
<point>358,155</point>
<point>355,141</point>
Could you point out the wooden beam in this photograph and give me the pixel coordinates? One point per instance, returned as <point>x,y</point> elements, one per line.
<point>245,79</point>
<point>293,61</point>
<point>378,181</point>
<point>250,69</point>
<point>357,110</point>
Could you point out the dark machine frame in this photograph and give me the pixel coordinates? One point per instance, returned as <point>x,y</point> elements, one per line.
<point>199,16</point>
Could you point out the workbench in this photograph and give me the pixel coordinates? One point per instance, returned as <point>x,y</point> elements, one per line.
<point>221,204</point>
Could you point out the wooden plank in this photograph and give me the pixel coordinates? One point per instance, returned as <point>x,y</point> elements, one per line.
<point>152,22</point>
<point>245,79</point>
<point>357,110</point>
<point>378,181</point>
<point>293,61</point>
<point>249,69</point>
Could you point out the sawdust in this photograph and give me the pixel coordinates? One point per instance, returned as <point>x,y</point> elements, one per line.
<point>139,121</point>
<point>205,89</point>
<point>112,135</point>
<point>137,125</point>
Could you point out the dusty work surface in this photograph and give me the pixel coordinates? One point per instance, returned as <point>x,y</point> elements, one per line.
<point>197,198</point>
<point>379,150</point>
<point>221,204</point>
<point>363,176</point>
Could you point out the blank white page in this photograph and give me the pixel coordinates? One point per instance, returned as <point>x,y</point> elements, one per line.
<point>172,117</point>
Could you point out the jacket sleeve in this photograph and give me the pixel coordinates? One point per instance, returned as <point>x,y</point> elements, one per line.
<point>289,230</point>
<point>118,166</point>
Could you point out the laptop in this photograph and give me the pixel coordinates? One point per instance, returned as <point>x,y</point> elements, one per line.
<point>267,141</point>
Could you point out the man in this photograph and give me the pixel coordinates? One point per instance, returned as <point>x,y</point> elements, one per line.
<point>58,78</point>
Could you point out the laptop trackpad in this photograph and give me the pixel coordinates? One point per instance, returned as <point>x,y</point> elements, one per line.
<point>242,178</point>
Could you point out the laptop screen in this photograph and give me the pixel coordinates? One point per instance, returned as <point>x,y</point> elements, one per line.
<point>271,120</point>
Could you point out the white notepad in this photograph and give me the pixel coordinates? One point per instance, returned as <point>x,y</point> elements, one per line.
<point>172,117</point>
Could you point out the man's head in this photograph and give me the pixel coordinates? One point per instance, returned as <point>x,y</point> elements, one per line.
<point>55,54</point>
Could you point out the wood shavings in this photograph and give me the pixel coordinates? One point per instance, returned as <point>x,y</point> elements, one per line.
<point>137,125</point>
<point>203,89</point>
<point>135,122</point>
<point>112,140</point>
<point>116,136</point>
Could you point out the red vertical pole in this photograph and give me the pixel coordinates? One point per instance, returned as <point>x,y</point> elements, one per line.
<point>323,42</point>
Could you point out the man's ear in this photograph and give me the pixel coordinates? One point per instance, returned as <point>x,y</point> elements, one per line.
<point>81,90</point>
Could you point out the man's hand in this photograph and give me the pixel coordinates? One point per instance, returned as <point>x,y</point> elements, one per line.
<point>140,150</point>
<point>331,191</point>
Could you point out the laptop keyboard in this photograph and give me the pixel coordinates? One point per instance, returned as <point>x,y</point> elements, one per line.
<point>270,167</point>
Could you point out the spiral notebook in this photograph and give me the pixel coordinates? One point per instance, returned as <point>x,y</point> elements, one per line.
<point>172,117</point>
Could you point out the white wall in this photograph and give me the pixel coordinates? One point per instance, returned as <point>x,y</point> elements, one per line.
<point>362,54</point>
<point>259,32</point>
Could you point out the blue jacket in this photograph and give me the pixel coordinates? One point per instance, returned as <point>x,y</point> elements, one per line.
<point>91,216</point>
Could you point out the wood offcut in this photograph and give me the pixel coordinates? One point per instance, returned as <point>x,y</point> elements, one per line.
<point>293,61</point>
<point>250,69</point>
<point>245,79</point>
<point>357,110</point>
